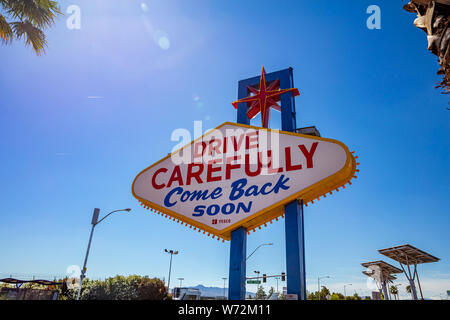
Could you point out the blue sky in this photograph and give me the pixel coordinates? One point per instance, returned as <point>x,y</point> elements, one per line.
<point>79,123</point>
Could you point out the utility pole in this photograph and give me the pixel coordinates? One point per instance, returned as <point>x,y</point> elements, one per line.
<point>171,252</point>
<point>318,285</point>
<point>224,281</point>
<point>94,223</point>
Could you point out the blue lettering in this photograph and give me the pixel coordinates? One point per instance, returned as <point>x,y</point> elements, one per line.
<point>251,191</point>
<point>200,210</point>
<point>224,208</point>
<point>236,189</point>
<point>241,206</point>
<point>167,202</point>
<point>210,211</point>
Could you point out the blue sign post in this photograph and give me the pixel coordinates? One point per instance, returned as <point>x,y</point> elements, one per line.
<point>295,250</point>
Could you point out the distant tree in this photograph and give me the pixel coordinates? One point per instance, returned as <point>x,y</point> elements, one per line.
<point>393,289</point>
<point>120,288</point>
<point>408,289</point>
<point>260,294</point>
<point>27,19</point>
<point>312,296</point>
<point>337,296</point>
<point>271,292</point>
<point>323,294</point>
<point>356,297</point>
<point>152,289</point>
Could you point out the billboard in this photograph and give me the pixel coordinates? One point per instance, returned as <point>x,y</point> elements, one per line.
<point>238,175</point>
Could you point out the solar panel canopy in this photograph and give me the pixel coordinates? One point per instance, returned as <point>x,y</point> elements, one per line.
<point>407,254</point>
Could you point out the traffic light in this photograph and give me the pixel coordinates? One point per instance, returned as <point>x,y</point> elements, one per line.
<point>283,276</point>
<point>264,277</point>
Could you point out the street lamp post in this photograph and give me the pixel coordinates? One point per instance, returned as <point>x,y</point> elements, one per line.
<point>263,244</point>
<point>277,278</point>
<point>345,294</point>
<point>94,223</point>
<point>224,281</point>
<point>181,281</point>
<point>318,285</point>
<point>171,252</point>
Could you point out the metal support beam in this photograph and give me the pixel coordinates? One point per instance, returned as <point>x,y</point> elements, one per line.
<point>295,250</point>
<point>418,281</point>
<point>238,253</point>
<point>385,291</point>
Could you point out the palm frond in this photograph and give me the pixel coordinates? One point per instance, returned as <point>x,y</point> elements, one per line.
<point>33,35</point>
<point>41,13</point>
<point>6,33</point>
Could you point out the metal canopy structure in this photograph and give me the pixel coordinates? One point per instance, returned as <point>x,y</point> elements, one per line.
<point>408,255</point>
<point>383,266</point>
<point>18,282</point>
<point>372,275</point>
<point>382,272</point>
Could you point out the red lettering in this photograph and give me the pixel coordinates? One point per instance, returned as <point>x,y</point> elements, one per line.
<point>237,145</point>
<point>270,168</point>
<point>289,166</point>
<point>154,184</point>
<point>214,145</point>
<point>247,166</point>
<point>196,151</point>
<point>211,170</point>
<point>176,176</point>
<point>309,154</point>
<point>225,145</point>
<point>230,166</point>
<point>196,175</point>
<point>249,138</point>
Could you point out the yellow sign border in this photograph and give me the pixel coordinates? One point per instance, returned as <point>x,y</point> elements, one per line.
<point>313,192</point>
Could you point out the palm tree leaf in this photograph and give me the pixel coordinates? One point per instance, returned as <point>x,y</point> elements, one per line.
<point>33,35</point>
<point>6,33</point>
<point>41,13</point>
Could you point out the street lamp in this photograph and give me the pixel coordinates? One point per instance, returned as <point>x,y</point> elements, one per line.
<point>94,223</point>
<point>171,252</point>
<point>181,281</point>
<point>318,285</point>
<point>263,244</point>
<point>345,294</point>
<point>277,278</point>
<point>224,281</point>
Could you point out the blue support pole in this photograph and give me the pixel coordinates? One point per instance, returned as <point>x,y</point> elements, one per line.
<point>238,241</point>
<point>237,276</point>
<point>294,228</point>
<point>295,250</point>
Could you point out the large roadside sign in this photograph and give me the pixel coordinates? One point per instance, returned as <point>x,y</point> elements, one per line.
<point>238,175</point>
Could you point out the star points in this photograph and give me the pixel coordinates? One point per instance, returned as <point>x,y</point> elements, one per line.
<point>264,98</point>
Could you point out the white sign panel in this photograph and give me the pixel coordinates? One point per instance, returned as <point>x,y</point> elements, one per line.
<point>241,175</point>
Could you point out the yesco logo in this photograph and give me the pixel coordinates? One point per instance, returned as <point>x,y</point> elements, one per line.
<point>242,176</point>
